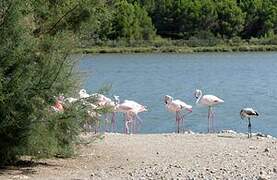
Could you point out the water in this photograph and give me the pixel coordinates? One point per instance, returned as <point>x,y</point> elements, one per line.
<point>240,79</point>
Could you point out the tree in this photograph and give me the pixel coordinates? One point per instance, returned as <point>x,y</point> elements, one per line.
<point>230,18</point>
<point>131,22</point>
<point>261,17</point>
<point>37,38</point>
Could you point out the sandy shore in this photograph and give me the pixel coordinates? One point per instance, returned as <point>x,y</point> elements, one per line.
<point>161,156</point>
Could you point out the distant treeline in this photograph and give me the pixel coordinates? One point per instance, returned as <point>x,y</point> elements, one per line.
<point>131,20</point>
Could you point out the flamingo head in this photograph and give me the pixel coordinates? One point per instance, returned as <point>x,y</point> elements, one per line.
<point>189,108</point>
<point>82,93</point>
<point>197,93</point>
<point>116,98</point>
<point>144,108</point>
<point>167,99</point>
<point>60,98</point>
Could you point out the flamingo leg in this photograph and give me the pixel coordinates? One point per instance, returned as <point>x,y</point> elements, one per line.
<point>132,122</point>
<point>127,127</point>
<point>183,123</point>
<point>139,121</point>
<point>106,122</point>
<point>249,128</point>
<point>125,122</point>
<point>212,120</point>
<point>113,121</point>
<point>96,126</point>
<point>128,122</point>
<point>209,118</point>
<point>178,121</point>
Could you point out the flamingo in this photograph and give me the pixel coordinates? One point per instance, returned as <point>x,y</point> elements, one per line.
<point>130,110</point>
<point>58,106</point>
<point>70,100</point>
<point>177,106</point>
<point>133,113</point>
<point>83,94</point>
<point>248,113</point>
<point>208,101</point>
<point>103,102</point>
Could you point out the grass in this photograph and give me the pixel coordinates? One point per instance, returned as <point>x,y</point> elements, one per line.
<point>178,49</point>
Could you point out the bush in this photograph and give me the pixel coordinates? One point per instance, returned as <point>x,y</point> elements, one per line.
<point>35,46</point>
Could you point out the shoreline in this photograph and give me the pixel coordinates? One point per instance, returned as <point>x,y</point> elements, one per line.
<point>178,49</point>
<point>227,155</point>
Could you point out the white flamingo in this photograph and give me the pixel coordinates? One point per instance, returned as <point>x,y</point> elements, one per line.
<point>130,110</point>
<point>177,106</point>
<point>83,94</point>
<point>248,113</point>
<point>91,109</point>
<point>70,99</point>
<point>208,101</point>
<point>102,102</point>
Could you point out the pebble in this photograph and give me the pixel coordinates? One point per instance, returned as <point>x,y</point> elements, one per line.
<point>252,147</point>
<point>263,177</point>
<point>266,150</point>
<point>274,170</point>
<point>21,177</point>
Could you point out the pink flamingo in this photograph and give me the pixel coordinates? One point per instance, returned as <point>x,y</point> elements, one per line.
<point>177,106</point>
<point>58,106</point>
<point>208,101</point>
<point>130,110</point>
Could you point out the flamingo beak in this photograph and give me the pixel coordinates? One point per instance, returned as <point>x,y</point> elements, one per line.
<point>189,110</point>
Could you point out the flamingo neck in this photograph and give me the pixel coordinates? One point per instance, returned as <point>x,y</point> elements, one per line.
<point>199,98</point>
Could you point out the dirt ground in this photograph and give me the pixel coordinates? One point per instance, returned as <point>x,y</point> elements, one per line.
<point>161,156</point>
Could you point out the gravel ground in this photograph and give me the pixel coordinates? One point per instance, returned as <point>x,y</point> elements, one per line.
<point>161,156</point>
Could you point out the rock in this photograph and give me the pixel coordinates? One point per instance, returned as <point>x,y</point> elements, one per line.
<point>252,147</point>
<point>260,134</point>
<point>275,170</point>
<point>263,177</point>
<point>21,177</point>
<point>130,174</point>
<point>269,136</point>
<point>266,150</point>
<point>228,131</point>
<point>157,153</point>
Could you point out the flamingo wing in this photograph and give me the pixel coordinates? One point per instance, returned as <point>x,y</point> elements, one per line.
<point>182,104</point>
<point>211,100</point>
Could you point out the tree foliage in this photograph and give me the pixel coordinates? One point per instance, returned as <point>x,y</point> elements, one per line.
<point>183,19</point>
<point>37,38</point>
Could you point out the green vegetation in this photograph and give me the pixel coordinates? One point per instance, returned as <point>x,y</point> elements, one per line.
<point>166,23</point>
<point>37,38</point>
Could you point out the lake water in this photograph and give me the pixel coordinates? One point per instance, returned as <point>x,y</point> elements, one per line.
<point>240,79</point>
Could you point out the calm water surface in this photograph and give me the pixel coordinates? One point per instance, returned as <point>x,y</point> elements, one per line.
<point>241,79</point>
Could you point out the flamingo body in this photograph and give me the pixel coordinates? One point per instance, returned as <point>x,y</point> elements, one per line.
<point>130,109</point>
<point>177,106</point>
<point>208,101</point>
<point>248,113</point>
